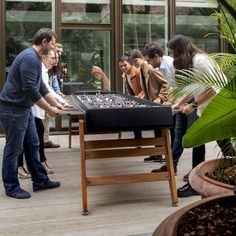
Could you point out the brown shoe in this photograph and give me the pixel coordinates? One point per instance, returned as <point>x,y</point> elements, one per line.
<point>164,169</point>
<point>50,144</point>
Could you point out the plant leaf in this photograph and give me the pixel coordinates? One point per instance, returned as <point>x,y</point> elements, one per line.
<point>217,122</point>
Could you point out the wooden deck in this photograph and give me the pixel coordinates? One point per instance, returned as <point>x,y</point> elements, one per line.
<point>117,210</point>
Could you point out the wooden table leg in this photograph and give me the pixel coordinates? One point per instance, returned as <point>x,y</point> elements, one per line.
<point>170,167</point>
<point>70,130</point>
<point>83,168</point>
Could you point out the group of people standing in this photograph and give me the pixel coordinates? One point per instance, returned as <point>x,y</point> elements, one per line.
<point>27,97</point>
<point>150,75</point>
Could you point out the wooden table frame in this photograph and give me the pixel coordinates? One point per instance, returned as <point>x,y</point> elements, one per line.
<point>119,148</point>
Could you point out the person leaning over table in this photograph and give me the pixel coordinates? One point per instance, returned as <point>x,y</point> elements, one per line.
<point>186,56</point>
<point>154,86</point>
<point>131,77</point>
<point>24,88</point>
<point>54,73</point>
<point>154,55</point>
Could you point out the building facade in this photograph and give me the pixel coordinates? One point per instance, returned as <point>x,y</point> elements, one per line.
<point>97,32</point>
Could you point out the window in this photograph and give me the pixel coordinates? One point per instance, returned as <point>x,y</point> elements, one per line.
<point>85,11</point>
<point>144,22</point>
<point>192,19</point>
<point>82,50</point>
<point>23,19</point>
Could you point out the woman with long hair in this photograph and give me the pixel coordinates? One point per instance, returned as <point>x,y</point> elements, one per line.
<point>187,56</point>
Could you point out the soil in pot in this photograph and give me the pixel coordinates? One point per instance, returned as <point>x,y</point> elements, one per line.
<point>225,172</point>
<point>210,219</point>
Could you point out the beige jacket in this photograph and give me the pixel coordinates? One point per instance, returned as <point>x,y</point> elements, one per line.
<point>153,84</point>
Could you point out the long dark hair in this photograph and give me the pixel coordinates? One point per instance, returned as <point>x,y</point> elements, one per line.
<point>184,51</point>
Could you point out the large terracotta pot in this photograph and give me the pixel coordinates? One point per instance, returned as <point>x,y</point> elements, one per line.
<point>169,226</point>
<point>206,186</point>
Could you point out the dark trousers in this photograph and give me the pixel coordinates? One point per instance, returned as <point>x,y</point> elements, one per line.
<point>183,122</point>
<point>226,147</point>
<point>40,132</point>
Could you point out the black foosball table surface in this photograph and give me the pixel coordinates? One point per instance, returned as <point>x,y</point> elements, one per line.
<point>114,111</point>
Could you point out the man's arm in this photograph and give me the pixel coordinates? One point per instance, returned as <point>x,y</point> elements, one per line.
<point>102,76</point>
<point>49,104</point>
<point>52,111</point>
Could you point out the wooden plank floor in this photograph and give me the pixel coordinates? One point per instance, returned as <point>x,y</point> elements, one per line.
<point>116,210</point>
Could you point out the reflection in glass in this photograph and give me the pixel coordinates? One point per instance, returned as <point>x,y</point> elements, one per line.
<point>85,12</point>
<point>192,19</point>
<point>82,50</point>
<point>23,19</point>
<point>144,22</point>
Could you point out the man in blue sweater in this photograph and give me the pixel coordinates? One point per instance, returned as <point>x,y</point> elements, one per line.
<point>22,89</point>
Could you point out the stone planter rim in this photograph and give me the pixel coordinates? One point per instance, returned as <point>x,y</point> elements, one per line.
<point>170,224</point>
<point>201,172</point>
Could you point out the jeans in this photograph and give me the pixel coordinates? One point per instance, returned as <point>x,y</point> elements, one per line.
<point>40,132</point>
<point>183,122</point>
<point>19,124</point>
<point>137,134</point>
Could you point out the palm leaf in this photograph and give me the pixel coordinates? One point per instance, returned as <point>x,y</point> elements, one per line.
<point>197,81</point>
<point>226,61</point>
<point>216,123</point>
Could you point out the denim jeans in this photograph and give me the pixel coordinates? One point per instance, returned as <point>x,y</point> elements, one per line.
<point>183,122</point>
<point>19,127</point>
<point>137,134</point>
<point>40,132</point>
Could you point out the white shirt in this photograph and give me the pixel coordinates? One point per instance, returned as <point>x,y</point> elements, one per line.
<point>129,80</point>
<point>167,69</point>
<point>200,61</point>
<point>36,110</point>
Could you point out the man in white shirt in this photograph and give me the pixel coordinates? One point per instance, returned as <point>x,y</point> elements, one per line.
<point>154,54</point>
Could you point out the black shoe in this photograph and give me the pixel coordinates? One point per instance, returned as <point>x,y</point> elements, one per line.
<point>185,178</point>
<point>164,169</point>
<point>20,194</point>
<point>50,184</point>
<point>186,191</point>
<point>154,159</point>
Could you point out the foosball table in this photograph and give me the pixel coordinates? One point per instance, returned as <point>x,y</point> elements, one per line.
<point>102,113</point>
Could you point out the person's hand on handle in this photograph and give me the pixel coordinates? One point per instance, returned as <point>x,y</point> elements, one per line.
<point>53,111</point>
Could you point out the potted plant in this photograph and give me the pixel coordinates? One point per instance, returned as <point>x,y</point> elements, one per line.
<point>219,117</point>
<point>214,177</point>
<point>212,215</point>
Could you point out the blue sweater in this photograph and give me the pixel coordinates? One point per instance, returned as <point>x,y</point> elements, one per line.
<point>24,85</point>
